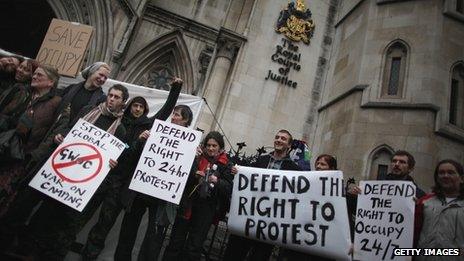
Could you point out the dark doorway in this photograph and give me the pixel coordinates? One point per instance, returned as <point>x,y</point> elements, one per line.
<point>23,25</point>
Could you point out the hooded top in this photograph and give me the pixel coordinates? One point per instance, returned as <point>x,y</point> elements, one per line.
<point>135,126</point>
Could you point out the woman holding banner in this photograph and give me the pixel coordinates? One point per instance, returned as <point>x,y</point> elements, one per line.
<point>323,162</point>
<point>439,215</point>
<point>208,198</point>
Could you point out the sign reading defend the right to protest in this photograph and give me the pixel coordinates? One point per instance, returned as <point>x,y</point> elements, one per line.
<point>384,219</point>
<point>301,210</point>
<point>165,162</point>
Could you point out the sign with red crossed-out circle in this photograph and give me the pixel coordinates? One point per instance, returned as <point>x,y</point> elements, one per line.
<point>77,162</point>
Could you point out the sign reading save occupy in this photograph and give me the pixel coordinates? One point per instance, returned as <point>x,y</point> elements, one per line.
<point>165,162</point>
<point>384,219</point>
<point>301,210</point>
<point>78,166</point>
<point>64,46</point>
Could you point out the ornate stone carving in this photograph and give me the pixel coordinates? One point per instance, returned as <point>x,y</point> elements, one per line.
<point>228,44</point>
<point>205,59</point>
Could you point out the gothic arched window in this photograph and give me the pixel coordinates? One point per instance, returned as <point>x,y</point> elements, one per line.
<point>394,71</point>
<point>380,162</point>
<point>456,106</point>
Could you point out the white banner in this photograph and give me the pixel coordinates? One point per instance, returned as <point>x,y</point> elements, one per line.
<point>78,166</point>
<point>384,219</point>
<point>301,210</point>
<point>165,162</point>
<point>155,98</point>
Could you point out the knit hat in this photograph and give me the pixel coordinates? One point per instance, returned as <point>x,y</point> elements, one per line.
<point>92,68</point>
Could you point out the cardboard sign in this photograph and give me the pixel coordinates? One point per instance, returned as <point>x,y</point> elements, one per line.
<point>64,46</point>
<point>384,219</point>
<point>300,210</point>
<point>165,162</point>
<point>78,166</point>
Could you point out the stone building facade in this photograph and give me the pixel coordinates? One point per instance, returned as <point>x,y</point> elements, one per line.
<point>393,83</point>
<point>377,75</point>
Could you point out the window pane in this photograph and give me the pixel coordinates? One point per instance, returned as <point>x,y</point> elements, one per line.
<point>453,101</point>
<point>394,81</point>
<point>382,172</point>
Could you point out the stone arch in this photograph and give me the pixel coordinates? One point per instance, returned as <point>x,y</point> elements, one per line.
<point>95,13</point>
<point>378,162</point>
<point>170,52</point>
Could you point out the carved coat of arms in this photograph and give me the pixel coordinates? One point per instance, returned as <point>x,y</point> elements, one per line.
<point>295,22</point>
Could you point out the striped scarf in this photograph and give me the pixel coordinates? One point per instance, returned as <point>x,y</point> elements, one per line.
<point>102,109</point>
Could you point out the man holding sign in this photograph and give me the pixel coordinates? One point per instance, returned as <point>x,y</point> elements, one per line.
<point>238,247</point>
<point>55,236</point>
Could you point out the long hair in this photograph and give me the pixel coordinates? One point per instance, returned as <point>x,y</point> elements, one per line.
<point>437,189</point>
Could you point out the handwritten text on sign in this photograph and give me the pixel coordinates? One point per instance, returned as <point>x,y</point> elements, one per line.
<point>64,46</point>
<point>384,219</point>
<point>165,162</point>
<point>78,166</point>
<point>302,210</point>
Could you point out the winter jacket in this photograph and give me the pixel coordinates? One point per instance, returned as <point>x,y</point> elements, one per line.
<point>441,225</point>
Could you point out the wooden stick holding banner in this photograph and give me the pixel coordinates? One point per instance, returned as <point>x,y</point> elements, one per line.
<point>384,219</point>
<point>165,163</point>
<point>78,166</point>
<point>301,210</point>
<point>64,46</point>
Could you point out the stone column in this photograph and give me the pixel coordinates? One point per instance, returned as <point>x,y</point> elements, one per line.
<point>227,46</point>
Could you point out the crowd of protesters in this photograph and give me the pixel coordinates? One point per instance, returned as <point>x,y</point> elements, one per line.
<point>35,116</point>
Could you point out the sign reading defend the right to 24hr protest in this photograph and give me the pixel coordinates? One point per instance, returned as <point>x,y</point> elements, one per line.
<point>301,210</point>
<point>384,219</point>
<point>64,46</point>
<point>165,162</point>
<point>78,166</point>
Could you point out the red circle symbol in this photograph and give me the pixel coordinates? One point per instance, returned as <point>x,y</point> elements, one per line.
<point>66,166</point>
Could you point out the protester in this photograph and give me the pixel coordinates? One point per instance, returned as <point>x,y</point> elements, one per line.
<point>238,247</point>
<point>8,65</point>
<point>51,237</point>
<point>161,213</point>
<point>14,98</point>
<point>207,200</point>
<point>33,125</point>
<point>439,215</point>
<point>325,162</point>
<point>135,121</point>
<point>88,92</point>
<point>402,164</point>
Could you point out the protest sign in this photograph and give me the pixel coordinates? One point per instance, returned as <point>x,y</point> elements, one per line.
<point>64,46</point>
<point>384,219</point>
<point>165,163</point>
<point>301,210</point>
<point>78,166</point>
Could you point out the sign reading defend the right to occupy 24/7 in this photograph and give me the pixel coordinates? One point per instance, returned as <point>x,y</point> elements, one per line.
<point>301,210</point>
<point>384,219</point>
<point>165,163</point>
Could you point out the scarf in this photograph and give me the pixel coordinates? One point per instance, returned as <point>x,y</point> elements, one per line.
<point>102,109</point>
